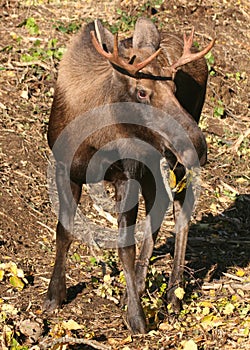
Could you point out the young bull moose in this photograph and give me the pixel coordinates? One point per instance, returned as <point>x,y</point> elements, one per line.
<point>151,69</point>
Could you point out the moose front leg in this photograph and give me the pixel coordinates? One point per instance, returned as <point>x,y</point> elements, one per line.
<point>127,198</point>
<point>69,194</point>
<point>156,203</point>
<point>183,205</point>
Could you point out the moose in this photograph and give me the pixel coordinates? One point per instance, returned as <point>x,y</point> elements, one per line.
<point>160,81</point>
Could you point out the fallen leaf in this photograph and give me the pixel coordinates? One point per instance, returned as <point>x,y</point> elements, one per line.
<point>205,311</point>
<point>71,325</point>
<point>228,309</point>
<point>7,336</point>
<point>9,309</point>
<point>206,303</point>
<point>165,326</point>
<point>211,321</point>
<point>24,94</point>
<point>31,329</point>
<point>127,340</point>
<point>1,274</point>
<point>172,179</point>
<point>16,282</point>
<point>12,268</point>
<point>240,273</point>
<point>189,345</point>
<point>179,292</point>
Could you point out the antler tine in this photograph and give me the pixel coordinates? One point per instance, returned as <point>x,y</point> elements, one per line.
<point>115,50</point>
<point>187,55</point>
<point>144,63</point>
<point>114,58</point>
<point>98,47</point>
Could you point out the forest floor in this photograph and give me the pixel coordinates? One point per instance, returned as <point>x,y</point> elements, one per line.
<point>216,306</point>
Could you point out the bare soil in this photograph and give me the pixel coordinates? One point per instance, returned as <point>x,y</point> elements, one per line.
<point>218,254</point>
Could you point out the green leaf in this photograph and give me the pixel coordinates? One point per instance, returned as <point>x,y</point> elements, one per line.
<point>31,26</point>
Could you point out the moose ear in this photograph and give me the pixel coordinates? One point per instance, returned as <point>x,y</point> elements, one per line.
<point>104,36</point>
<point>146,35</point>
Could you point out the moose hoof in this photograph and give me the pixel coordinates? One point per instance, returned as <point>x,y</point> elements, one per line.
<point>137,325</point>
<point>136,321</point>
<point>54,300</point>
<point>50,305</point>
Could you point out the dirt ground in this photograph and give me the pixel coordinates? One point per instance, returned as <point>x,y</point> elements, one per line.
<point>216,307</point>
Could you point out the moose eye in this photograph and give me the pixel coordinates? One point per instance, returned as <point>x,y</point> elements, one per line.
<point>141,94</point>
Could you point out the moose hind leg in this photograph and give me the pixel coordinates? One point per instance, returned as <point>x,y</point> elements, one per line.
<point>69,194</point>
<point>183,205</point>
<point>127,195</point>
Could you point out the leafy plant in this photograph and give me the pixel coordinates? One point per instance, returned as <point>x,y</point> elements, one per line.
<point>210,62</point>
<point>67,28</point>
<point>37,52</point>
<point>14,274</point>
<point>30,25</point>
<point>219,110</point>
<point>126,21</point>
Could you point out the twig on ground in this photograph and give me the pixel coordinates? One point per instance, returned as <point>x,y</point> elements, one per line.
<point>220,285</point>
<point>66,340</point>
<point>238,142</point>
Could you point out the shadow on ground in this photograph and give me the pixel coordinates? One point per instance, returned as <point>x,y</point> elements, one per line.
<point>216,244</point>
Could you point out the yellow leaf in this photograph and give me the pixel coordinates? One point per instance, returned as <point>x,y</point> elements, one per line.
<point>16,282</point>
<point>246,331</point>
<point>89,335</point>
<point>240,273</point>
<point>7,335</point>
<point>127,340</point>
<point>181,185</point>
<point>1,275</point>
<point>189,345</point>
<point>234,298</point>
<point>13,35</point>
<point>228,309</point>
<point>106,278</point>
<point>172,179</point>
<point>205,311</point>
<point>211,321</point>
<point>71,325</point>
<point>179,292</point>
<point>206,303</point>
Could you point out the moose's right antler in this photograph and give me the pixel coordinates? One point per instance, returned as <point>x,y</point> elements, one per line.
<point>187,55</point>
<point>116,60</point>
